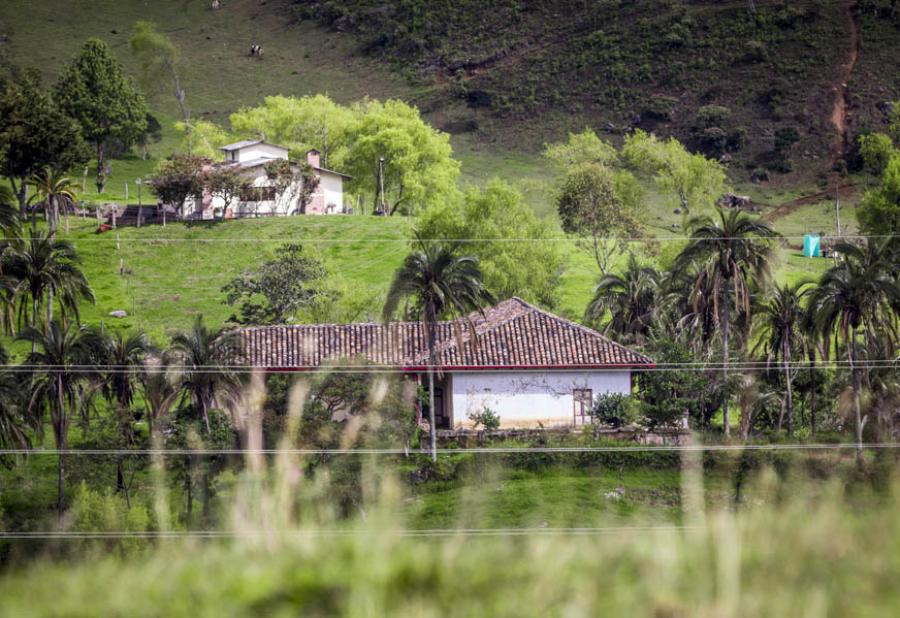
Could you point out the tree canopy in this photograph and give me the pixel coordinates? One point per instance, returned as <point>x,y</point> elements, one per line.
<point>512,243</point>
<point>34,133</point>
<point>95,91</point>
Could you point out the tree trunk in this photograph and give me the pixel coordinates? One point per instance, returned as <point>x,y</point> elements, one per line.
<point>725,416</point>
<point>53,216</point>
<point>856,404</point>
<point>49,308</point>
<point>22,195</point>
<point>812,397</point>
<point>101,167</point>
<point>62,443</point>
<point>789,390</point>
<point>430,319</point>
<point>34,319</point>
<point>203,408</point>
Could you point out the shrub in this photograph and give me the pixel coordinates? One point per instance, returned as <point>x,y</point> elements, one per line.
<point>615,409</point>
<point>95,511</point>
<point>486,418</point>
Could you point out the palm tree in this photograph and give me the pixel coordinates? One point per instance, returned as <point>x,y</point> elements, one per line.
<point>782,323</point>
<point>630,299</point>
<point>13,423</point>
<point>56,190</point>
<point>47,269</point>
<point>210,362</point>
<point>9,214</point>
<point>733,249</point>
<point>160,390</point>
<point>57,372</point>
<point>435,282</point>
<point>859,294</point>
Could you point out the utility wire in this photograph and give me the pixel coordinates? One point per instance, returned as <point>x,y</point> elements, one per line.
<point>335,533</point>
<point>665,448</point>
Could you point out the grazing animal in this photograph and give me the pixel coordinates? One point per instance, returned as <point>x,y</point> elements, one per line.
<point>256,50</point>
<point>216,5</point>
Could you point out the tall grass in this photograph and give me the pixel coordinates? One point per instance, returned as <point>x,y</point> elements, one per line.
<point>788,550</point>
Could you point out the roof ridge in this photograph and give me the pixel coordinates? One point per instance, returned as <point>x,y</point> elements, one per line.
<point>586,329</point>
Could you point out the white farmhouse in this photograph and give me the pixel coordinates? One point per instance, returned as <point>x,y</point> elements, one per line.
<point>529,366</point>
<point>261,197</point>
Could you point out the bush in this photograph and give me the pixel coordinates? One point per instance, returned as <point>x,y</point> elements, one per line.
<point>95,511</point>
<point>615,409</point>
<point>486,418</point>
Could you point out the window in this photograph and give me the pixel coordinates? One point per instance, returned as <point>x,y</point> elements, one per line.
<point>582,399</point>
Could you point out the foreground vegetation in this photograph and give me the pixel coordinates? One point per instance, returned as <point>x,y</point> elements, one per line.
<point>816,549</point>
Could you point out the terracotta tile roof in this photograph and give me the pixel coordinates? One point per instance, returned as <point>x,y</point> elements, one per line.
<point>510,334</point>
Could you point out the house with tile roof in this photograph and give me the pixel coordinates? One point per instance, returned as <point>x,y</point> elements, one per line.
<point>261,197</point>
<point>527,365</point>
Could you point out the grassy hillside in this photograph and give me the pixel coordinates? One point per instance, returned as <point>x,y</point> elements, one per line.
<point>543,66</point>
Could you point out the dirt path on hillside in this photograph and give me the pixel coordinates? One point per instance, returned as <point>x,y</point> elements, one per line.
<point>841,94</point>
<point>841,141</point>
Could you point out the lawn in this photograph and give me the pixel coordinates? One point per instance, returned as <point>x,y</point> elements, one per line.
<point>164,276</point>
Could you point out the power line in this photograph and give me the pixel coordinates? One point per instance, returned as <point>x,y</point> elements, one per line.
<point>664,448</point>
<point>336,533</point>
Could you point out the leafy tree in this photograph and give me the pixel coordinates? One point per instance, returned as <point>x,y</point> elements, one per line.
<point>203,138</point>
<point>782,322</point>
<point>59,358</point>
<point>733,249</point>
<point>288,177</point>
<point>49,271</point>
<point>226,182</point>
<point>280,289</point>
<point>95,92</point>
<point>177,179</point>
<point>615,409</point>
<point>582,148</point>
<point>692,179</point>
<point>55,190</point>
<point>879,211</point>
<point>34,134</point>
<point>301,124</point>
<point>160,390</point>
<point>158,58</point>
<point>600,207</point>
<point>859,295</point>
<point>210,366</point>
<point>876,150</point>
<point>671,395</point>
<point>419,169</point>
<point>436,282</point>
<point>512,247</point>
<point>630,300</point>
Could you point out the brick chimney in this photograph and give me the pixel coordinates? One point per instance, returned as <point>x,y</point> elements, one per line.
<point>312,157</point>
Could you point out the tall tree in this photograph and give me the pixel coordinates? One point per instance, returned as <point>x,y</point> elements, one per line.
<point>513,245</point>
<point>34,134</point>
<point>733,247</point>
<point>209,362</point>
<point>94,91</point>
<point>158,57</point>
<point>14,423</point>
<point>59,359</point>
<point>301,124</point>
<point>694,181</point>
<point>49,270</point>
<point>600,207</point>
<point>626,303</point>
<point>859,295</point>
<point>419,170</point>
<point>879,210</point>
<point>782,322</point>
<point>436,283</point>
<point>160,390</point>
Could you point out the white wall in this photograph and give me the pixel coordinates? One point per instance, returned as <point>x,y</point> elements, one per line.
<point>332,186</point>
<point>261,151</point>
<point>526,398</point>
